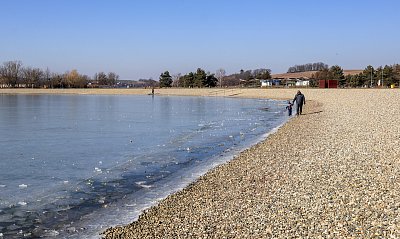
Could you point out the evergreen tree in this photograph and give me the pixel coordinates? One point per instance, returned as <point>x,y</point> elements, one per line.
<point>355,80</point>
<point>211,81</point>
<point>336,73</point>
<point>199,78</point>
<point>388,76</point>
<point>323,74</point>
<point>396,74</point>
<point>187,80</point>
<point>165,79</point>
<point>369,76</point>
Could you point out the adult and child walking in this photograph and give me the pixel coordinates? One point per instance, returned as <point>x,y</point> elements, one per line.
<point>300,100</point>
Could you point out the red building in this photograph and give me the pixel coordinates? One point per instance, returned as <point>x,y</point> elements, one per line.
<point>328,83</point>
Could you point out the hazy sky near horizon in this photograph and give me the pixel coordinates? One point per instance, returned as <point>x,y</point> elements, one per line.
<point>140,39</point>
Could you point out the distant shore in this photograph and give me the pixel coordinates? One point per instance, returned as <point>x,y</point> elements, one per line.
<point>270,93</point>
<point>227,92</point>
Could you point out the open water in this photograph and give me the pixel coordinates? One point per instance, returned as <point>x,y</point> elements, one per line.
<point>73,165</point>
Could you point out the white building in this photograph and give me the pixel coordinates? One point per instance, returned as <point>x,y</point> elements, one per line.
<point>266,83</point>
<point>302,83</point>
<point>270,82</point>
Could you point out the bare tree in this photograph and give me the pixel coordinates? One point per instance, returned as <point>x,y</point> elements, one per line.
<point>220,75</point>
<point>47,78</point>
<point>10,73</point>
<point>175,79</point>
<point>101,78</point>
<point>57,80</point>
<point>71,77</point>
<point>32,77</point>
<point>3,81</point>
<point>112,78</point>
<point>308,67</point>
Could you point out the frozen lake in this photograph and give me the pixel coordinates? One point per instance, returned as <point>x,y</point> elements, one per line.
<point>72,165</point>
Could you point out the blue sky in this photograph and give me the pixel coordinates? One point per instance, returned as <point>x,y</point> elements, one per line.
<point>140,39</point>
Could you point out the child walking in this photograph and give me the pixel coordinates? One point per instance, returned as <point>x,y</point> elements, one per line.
<point>289,108</point>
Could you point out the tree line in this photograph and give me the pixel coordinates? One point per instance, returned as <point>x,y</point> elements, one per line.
<point>197,79</point>
<point>13,74</point>
<point>308,67</point>
<point>248,78</point>
<point>201,78</point>
<point>383,76</point>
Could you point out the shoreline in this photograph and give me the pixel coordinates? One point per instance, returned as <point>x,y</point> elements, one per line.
<point>277,94</point>
<point>173,199</point>
<point>332,172</point>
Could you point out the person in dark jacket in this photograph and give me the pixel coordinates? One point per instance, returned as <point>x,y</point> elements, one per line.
<point>289,108</point>
<point>300,100</point>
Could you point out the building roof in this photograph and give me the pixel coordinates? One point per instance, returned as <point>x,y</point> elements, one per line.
<point>308,74</point>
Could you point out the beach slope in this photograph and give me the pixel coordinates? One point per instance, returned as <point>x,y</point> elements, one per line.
<point>331,173</point>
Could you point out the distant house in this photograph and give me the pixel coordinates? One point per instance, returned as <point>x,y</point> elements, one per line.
<point>270,82</point>
<point>298,79</point>
<point>276,82</point>
<point>289,82</point>
<point>302,82</point>
<point>302,79</point>
<point>266,83</point>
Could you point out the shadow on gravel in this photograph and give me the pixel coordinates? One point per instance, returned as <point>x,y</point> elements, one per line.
<point>317,112</point>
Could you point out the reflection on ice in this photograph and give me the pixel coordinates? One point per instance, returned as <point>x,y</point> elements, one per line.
<point>98,170</point>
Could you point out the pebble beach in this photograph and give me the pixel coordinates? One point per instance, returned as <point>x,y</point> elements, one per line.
<point>333,172</point>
